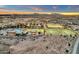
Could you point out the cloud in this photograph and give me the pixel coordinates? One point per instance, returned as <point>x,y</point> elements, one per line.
<point>55,8</point>
<point>24,8</point>
<point>38,9</point>
<point>7,9</point>
<point>31,7</point>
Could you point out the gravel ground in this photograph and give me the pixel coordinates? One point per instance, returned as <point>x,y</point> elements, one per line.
<point>4,49</point>
<point>37,45</point>
<point>43,45</point>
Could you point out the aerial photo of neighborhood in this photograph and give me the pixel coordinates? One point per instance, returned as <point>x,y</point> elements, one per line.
<point>39,29</point>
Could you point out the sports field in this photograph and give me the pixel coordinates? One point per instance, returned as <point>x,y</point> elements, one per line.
<point>60,32</point>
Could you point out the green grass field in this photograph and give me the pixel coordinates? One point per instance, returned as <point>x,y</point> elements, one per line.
<point>60,32</point>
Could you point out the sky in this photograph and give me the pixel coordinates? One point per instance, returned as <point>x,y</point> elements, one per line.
<point>40,8</point>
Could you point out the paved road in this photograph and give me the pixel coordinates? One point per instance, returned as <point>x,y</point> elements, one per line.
<point>20,37</point>
<point>12,37</point>
<point>76,47</point>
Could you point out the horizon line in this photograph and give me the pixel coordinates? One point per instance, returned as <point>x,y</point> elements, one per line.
<point>63,13</point>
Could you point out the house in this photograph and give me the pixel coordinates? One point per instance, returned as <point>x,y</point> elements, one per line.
<point>11,33</point>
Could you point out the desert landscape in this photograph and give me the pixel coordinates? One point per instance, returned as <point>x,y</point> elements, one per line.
<point>38,32</point>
